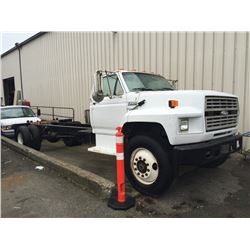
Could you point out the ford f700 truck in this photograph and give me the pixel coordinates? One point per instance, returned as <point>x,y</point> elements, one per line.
<point>163,127</point>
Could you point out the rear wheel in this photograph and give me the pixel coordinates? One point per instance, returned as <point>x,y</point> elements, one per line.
<point>23,136</point>
<point>147,165</point>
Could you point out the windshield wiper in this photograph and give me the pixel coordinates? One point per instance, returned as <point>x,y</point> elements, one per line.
<point>164,89</point>
<point>142,89</point>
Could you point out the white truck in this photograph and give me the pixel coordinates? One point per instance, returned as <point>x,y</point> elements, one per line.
<point>163,127</point>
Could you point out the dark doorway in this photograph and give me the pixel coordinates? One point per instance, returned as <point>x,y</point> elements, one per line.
<point>9,90</point>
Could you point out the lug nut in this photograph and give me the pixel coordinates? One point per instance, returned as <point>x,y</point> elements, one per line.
<point>148,170</point>
<point>146,174</point>
<point>142,175</point>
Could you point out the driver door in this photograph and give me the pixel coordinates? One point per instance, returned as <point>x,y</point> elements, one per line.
<point>108,114</point>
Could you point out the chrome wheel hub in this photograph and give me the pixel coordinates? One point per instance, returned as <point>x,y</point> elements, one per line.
<point>144,166</point>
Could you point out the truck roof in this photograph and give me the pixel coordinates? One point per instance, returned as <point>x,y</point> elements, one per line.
<point>14,106</point>
<point>131,71</point>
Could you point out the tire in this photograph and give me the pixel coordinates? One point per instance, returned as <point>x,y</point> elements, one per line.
<point>36,140</point>
<point>147,165</point>
<point>23,136</point>
<point>70,142</point>
<point>216,163</point>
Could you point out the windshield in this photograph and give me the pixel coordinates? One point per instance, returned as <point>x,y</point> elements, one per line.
<point>8,113</point>
<point>146,82</point>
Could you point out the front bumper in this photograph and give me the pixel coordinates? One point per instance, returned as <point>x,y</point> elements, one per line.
<point>10,133</point>
<point>206,152</point>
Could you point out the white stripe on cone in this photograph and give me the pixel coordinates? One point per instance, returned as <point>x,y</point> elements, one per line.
<point>119,156</point>
<point>119,139</point>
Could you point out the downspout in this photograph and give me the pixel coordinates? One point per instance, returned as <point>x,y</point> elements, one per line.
<point>20,68</point>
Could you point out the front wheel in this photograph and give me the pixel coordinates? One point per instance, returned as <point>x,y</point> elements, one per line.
<point>147,165</point>
<point>23,136</point>
<point>36,138</point>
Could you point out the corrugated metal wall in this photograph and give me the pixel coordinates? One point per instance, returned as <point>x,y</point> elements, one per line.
<point>58,67</point>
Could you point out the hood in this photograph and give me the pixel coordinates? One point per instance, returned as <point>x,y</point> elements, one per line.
<point>20,120</point>
<point>185,98</point>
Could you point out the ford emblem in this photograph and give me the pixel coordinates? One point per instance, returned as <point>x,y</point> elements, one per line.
<point>224,112</point>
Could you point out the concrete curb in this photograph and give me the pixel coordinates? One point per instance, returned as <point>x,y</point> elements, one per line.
<point>93,183</point>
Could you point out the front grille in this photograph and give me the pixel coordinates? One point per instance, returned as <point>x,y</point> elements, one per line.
<point>221,112</point>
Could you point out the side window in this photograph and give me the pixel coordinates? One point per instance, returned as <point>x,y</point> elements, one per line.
<point>113,85</point>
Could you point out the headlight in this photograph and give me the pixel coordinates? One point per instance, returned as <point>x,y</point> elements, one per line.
<point>6,127</point>
<point>184,125</point>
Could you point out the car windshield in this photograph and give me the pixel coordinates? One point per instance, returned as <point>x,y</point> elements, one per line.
<point>146,82</point>
<point>8,113</point>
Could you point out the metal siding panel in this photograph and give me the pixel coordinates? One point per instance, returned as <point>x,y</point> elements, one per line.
<point>115,50</point>
<point>174,55</point>
<point>141,53</point>
<point>218,62</point>
<point>153,54</point>
<point>147,51</point>
<point>136,50</point>
<point>240,61</point>
<point>159,52</point>
<point>120,50</point>
<point>166,67</point>
<point>103,55</point>
<point>199,60</point>
<point>125,50</point>
<point>182,60</point>
<point>208,61</point>
<point>106,51</point>
<point>246,112</point>
<point>130,51</point>
<point>228,71</point>
<point>190,60</point>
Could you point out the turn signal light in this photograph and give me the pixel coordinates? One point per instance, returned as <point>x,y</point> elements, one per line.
<point>173,104</point>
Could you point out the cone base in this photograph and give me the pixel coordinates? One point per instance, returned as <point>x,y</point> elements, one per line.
<point>115,204</point>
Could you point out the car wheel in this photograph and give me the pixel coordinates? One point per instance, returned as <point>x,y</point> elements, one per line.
<point>147,165</point>
<point>36,140</point>
<point>23,136</point>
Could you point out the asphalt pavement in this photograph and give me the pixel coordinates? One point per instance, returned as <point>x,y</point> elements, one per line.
<point>197,192</point>
<point>31,193</point>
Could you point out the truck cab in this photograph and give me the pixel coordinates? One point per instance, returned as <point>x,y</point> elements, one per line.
<point>163,127</point>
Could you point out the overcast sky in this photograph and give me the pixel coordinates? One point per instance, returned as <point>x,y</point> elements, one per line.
<point>9,39</point>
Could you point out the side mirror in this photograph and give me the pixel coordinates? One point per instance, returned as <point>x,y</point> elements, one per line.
<point>98,96</point>
<point>174,83</point>
<point>38,112</point>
